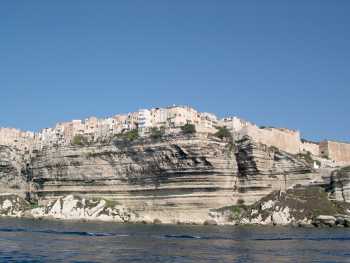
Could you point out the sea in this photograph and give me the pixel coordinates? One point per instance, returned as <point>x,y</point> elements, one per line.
<point>24,240</point>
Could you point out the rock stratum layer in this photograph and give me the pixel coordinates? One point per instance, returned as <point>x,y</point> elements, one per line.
<point>13,171</point>
<point>175,179</point>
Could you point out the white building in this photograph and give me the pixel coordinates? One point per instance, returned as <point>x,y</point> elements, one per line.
<point>144,120</point>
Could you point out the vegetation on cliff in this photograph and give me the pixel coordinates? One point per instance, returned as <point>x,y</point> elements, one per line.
<point>157,133</point>
<point>128,136</point>
<point>80,140</point>
<point>188,129</point>
<point>223,133</point>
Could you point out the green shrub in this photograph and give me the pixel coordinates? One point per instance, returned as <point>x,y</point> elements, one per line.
<point>306,157</point>
<point>129,135</point>
<point>34,205</point>
<point>223,133</point>
<point>157,133</point>
<point>132,135</point>
<point>111,203</point>
<point>343,172</point>
<point>188,129</point>
<point>79,140</point>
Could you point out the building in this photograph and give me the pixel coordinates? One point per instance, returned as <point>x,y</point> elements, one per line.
<point>132,121</point>
<point>120,123</point>
<point>180,115</point>
<point>207,122</point>
<point>159,117</point>
<point>171,119</point>
<point>144,121</point>
<point>235,124</point>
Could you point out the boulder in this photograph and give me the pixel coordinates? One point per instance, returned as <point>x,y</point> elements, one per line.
<point>210,222</point>
<point>324,220</point>
<point>157,221</point>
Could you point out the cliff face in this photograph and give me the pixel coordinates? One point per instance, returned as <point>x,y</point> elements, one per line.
<point>176,178</point>
<point>13,177</point>
<point>340,184</point>
<point>263,169</point>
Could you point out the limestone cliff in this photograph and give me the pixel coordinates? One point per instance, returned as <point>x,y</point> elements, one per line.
<point>340,184</point>
<point>263,169</point>
<point>176,178</point>
<point>13,174</point>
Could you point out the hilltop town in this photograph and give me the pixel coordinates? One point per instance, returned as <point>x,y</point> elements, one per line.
<point>170,120</point>
<point>173,165</point>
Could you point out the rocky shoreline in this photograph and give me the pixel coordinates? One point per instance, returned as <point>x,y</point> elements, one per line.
<point>266,212</point>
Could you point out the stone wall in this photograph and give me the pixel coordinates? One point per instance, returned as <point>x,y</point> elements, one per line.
<point>284,139</point>
<point>311,147</point>
<point>16,138</point>
<point>337,151</point>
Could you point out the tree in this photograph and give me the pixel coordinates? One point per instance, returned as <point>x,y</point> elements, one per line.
<point>188,128</point>
<point>157,133</point>
<point>223,133</point>
<point>79,140</point>
<point>129,135</point>
<point>132,135</point>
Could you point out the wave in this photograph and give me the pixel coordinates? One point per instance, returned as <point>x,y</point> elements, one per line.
<point>182,236</point>
<point>76,233</point>
<point>303,238</point>
<point>177,236</point>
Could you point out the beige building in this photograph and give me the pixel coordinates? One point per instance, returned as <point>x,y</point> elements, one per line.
<point>235,124</point>
<point>181,115</point>
<point>159,117</point>
<point>132,121</point>
<point>207,123</point>
<point>91,125</point>
<point>120,123</point>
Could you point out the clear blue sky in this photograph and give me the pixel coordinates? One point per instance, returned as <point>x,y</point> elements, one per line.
<point>278,63</point>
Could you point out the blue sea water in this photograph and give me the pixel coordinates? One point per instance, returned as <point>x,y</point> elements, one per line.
<point>24,240</point>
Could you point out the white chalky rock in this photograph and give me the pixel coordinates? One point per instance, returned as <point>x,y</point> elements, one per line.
<point>267,205</point>
<point>6,204</point>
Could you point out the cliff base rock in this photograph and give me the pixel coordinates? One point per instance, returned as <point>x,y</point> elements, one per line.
<point>298,206</point>
<point>76,208</point>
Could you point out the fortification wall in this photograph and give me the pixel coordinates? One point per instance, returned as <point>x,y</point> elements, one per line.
<point>311,147</point>
<point>284,139</point>
<point>337,151</point>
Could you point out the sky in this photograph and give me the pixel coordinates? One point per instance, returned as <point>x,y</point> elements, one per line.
<point>275,63</point>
